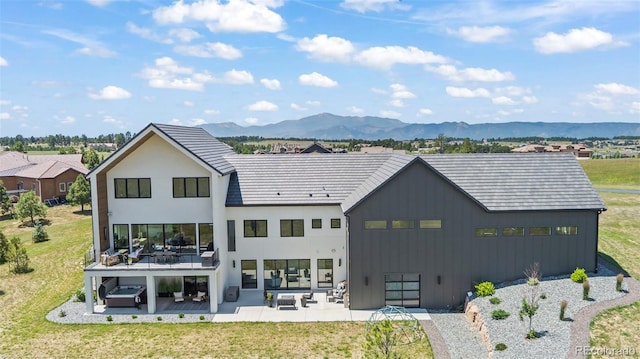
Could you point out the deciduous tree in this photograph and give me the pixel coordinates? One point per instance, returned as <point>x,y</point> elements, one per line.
<point>5,201</point>
<point>80,192</point>
<point>29,206</point>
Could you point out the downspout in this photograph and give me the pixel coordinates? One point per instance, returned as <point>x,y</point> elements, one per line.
<point>598,234</point>
<point>39,188</point>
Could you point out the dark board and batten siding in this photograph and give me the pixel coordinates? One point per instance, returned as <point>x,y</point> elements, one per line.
<point>453,252</point>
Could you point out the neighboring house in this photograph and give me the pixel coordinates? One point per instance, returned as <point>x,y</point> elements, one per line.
<point>402,230</point>
<point>49,176</point>
<point>578,150</point>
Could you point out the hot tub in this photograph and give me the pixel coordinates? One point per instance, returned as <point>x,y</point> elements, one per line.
<point>125,296</point>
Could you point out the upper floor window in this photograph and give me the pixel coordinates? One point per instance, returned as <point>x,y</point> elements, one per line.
<point>375,224</point>
<point>255,228</point>
<point>291,228</point>
<point>486,232</point>
<point>335,223</point>
<point>191,187</point>
<point>430,223</point>
<point>133,187</point>
<point>316,223</point>
<point>402,224</point>
<point>539,231</point>
<point>567,230</point>
<point>513,231</point>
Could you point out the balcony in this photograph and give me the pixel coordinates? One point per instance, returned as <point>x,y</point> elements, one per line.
<point>155,261</point>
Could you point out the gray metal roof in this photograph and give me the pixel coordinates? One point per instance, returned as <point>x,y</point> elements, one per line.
<point>308,179</point>
<point>201,144</point>
<point>498,182</point>
<point>514,182</point>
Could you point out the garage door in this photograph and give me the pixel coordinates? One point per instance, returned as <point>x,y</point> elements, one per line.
<point>402,289</point>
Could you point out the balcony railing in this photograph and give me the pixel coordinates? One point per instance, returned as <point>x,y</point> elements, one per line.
<point>154,261</point>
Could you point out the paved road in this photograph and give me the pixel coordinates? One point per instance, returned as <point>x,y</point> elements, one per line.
<point>614,190</point>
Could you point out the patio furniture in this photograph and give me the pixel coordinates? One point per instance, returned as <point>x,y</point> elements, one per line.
<point>109,258</point>
<point>200,297</point>
<point>308,296</point>
<point>136,255</point>
<point>178,297</point>
<point>286,300</point>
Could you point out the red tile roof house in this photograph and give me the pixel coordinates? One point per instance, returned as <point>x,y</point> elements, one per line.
<point>413,231</point>
<point>49,176</point>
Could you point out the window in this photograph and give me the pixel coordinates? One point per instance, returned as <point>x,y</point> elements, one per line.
<point>133,187</point>
<point>291,228</point>
<point>402,289</point>
<point>567,230</point>
<point>513,231</point>
<point>231,236</point>
<point>372,224</point>
<point>155,237</point>
<point>205,232</point>
<point>335,223</point>
<point>325,273</point>
<point>316,223</point>
<point>287,273</point>
<point>402,224</point>
<point>63,187</point>
<point>120,236</point>
<point>191,187</point>
<point>486,232</point>
<point>255,228</point>
<point>430,223</point>
<point>539,231</point>
<point>249,273</point>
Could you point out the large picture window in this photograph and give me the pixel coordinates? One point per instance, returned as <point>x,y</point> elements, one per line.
<point>191,187</point>
<point>255,228</point>
<point>292,228</point>
<point>121,237</point>
<point>133,187</point>
<point>205,230</point>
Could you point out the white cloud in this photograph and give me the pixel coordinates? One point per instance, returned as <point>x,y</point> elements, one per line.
<point>99,3</point>
<point>617,89</point>
<point>390,114</point>
<point>313,103</point>
<point>251,121</point>
<point>510,112</point>
<point>424,112</point>
<point>271,84</point>
<point>5,102</point>
<point>399,91</point>
<point>146,33</point>
<point>263,106</point>
<point>575,40</point>
<point>385,57</point>
<point>233,16</point>
<point>91,47</point>
<point>362,6</point>
<point>324,48</point>
<point>110,93</point>
<point>235,77</point>
<point>5,116</point>
<point>482,34</point>
<point>529,99</point>
<point>297,107</point>
<point>168,74</point>
<point>218,49</point>
<point>316,79</point>
<point>354,109</point>
<point>451,73</point>
<point>68,120</point>
<point>503,100</point>
<point>184,34</point>
<point>189,103</point>
<point>192,122</point>
<point>467,93</point>
<point>112,121</point>
<point>378,91</point>
<point>3,62</point>
<point>513,91</point>
<point>396,103</point>
<point>211,112</point>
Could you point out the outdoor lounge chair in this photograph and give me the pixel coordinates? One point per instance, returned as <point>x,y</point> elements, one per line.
<point>178,297</point>
<point>201,297</point>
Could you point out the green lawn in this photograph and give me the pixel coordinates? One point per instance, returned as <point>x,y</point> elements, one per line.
<point>26,299</point>
<point>621,173</point>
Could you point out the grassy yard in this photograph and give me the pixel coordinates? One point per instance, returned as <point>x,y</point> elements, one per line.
<point>26,299</point>
<point>621,173</point>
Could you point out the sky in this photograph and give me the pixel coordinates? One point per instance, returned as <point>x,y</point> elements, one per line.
<point>100,66</point>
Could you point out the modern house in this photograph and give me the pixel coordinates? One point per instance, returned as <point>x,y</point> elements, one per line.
<point>49,176</point>
<point>175,205</point>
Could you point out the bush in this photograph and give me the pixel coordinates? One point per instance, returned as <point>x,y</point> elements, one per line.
<point>501,346</point>
<point>495,300</point>
<point>159,318</point>
<point>109,318</point>
<point>181,315</point>
<point>80,296</point>
<point>579,275</point>
<point>543,296</point>
<point>134,316</point>
<point>485,289</point>
<point>619,279</point>
<point>62,314</point>
<point>563,307</point>
<point>39,234</point>
<point>202,317</point>
<point>499,314</point>
<point>585,290</point>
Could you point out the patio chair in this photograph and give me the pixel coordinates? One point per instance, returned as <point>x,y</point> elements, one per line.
<point>201,297</point>
<point>178,297</point>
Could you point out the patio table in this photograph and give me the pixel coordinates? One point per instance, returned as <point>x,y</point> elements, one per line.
<point>286,300</point>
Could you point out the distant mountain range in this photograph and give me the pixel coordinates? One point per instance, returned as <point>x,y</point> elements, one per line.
<point>326,126</point>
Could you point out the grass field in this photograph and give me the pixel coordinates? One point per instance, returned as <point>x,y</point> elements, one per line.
<point>26,299</point>
<point>621,173</point>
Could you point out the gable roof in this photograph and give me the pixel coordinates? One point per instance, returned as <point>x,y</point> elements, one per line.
<point>39,166</point>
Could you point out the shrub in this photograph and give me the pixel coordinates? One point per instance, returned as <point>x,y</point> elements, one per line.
<point>501,346</point>
<point>619,279</point>
<point>62,314</point>
<point>579,275</point>
<point>202,317</point>
<point>181,315</point>
<point>39,234</point>
<point>499,314</point>
<point>109,318</point>
<point>531,334</point>
<point>585,290</point>
<point>159,318</point>
<point>80,296</point>
<point>485,289</point>
<point>495,300</point>
<point>543,296</point>
<point>134,316</point>
<point>563,307</point>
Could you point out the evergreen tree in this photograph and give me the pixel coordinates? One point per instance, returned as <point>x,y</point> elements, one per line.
<point>80,192</point>
<point>17,257</point>
<point>91,159</point>
<point>5,201</point>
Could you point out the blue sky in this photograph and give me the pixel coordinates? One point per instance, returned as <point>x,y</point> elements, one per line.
<point>100,66</point>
